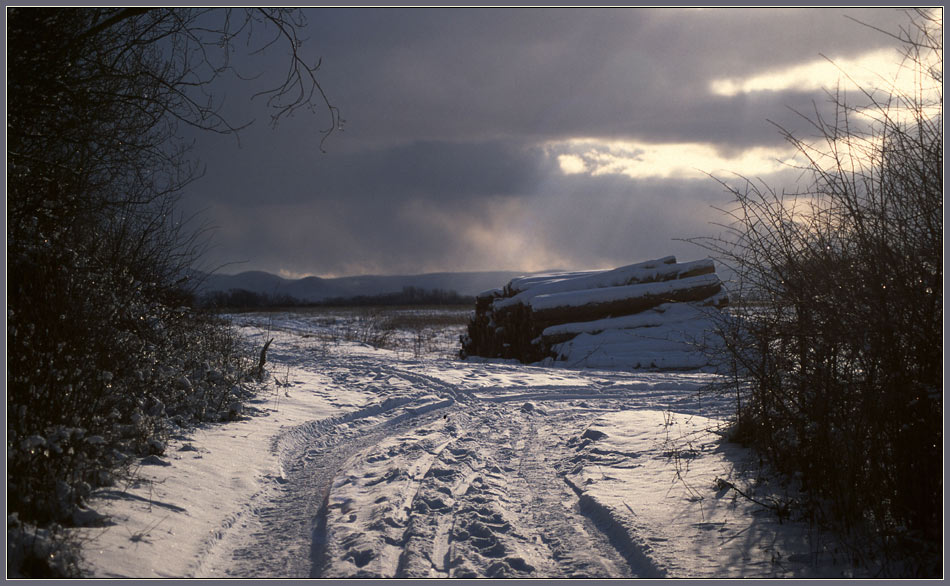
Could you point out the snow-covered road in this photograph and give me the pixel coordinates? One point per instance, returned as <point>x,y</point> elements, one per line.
<point>365,462</point>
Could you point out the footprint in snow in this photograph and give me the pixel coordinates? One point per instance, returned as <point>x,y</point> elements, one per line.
<point>154,460</point>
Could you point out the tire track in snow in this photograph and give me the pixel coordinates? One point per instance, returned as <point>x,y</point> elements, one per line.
<point>576,543</point>
<point>470,484</point>
<point>485,503</point>
<point>275,535</point>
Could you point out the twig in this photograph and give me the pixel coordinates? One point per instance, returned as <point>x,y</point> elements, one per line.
<point>260,365</point>
<point>781,509</point>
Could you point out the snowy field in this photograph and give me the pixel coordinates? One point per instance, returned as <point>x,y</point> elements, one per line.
<point>373,452</point>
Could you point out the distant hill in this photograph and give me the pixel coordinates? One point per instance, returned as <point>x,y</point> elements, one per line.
<point>319,289</point>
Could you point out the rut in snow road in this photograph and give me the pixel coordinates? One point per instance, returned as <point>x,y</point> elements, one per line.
<point>430,482</point>
<point>473,496</point>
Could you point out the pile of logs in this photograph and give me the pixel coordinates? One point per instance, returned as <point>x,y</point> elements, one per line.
<point>532,316</point>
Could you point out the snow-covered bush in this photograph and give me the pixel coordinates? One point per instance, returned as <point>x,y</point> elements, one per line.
<point>39,553</point>
<point>835,337</point>
<point>105,352</point>
<point>97,377</point>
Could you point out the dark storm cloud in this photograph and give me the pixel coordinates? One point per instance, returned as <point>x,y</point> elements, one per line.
<point>445,160</point>
<point>427,169</point>
<point>549,73</point>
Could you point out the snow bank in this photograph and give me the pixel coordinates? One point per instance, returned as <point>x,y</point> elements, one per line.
<point>184,501</point>
<point>674,336</point>
<point>663,481</point>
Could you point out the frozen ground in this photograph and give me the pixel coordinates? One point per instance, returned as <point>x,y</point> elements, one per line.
<point>362,461</point>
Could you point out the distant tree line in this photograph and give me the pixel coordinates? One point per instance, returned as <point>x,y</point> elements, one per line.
<point>242,299</point>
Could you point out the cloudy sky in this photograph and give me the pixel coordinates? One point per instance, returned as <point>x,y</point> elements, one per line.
<point>520,139</point>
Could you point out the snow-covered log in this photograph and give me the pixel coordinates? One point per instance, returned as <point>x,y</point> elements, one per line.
<point>591,304</point>
<point>524,289</point>
<point>534,317</point>
<point>655,317</point>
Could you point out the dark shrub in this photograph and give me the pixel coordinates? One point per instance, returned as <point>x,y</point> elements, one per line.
<point>835,341</point>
